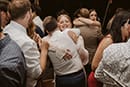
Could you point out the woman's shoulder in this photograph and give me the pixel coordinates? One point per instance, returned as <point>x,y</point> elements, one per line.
<point>107,39</point>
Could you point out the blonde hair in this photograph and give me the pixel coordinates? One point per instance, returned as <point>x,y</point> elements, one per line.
<point>65,15</point>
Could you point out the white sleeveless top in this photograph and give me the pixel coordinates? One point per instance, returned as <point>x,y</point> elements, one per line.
<point>59,43</point>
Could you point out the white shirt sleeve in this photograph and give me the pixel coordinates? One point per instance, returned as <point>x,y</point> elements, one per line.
<point>32,57</point>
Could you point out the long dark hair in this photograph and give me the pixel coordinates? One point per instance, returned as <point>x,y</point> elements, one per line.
<point>119,21</point>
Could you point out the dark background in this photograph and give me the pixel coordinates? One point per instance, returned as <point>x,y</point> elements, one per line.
<point>51,7</point>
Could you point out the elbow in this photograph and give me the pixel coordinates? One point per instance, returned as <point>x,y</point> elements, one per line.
<point>43,67</point>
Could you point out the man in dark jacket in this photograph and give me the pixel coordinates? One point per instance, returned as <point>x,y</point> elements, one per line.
<point>12,62</point>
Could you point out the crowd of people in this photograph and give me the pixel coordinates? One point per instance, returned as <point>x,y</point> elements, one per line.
<point>61,52</point>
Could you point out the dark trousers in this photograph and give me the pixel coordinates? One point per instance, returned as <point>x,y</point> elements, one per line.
<point>72,80</point>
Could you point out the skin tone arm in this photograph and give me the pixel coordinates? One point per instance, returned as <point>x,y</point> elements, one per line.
<point>81,21</point>
<point>104,43</point>
<point>73,36</point>
<point>77,22</point>
<point>43,46</point>
<point>44,50</point>
<point>98,55</point>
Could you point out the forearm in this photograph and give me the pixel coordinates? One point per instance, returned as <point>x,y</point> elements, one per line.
<point>96,23</point>
<point>97,58</point>
<point>89,22</point>
<point>77,22</point>
<point>43,59</point>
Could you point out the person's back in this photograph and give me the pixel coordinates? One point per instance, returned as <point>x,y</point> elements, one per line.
<point>113,69</point>
<point>68,45</point>
<point>64,56</point>
<point>20,11</point>
<point>12,64</point>
<point>118,61</point>
<point>91,39</point>
<point>12,60</point>
<point>90,31</point>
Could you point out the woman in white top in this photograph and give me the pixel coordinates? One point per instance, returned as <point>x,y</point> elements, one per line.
<point>65,25</point>
<point>64,56</point>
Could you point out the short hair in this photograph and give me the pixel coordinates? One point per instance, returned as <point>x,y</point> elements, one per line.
<point>18,8</point>
<point>82,12</point>
<point>50,23</point>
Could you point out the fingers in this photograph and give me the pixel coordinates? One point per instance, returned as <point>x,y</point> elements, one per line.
<point>68,55</point>
<point>42,44</point>
<point>36,38</point>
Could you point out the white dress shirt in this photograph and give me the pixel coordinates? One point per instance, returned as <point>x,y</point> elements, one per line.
<point>18,33</point>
